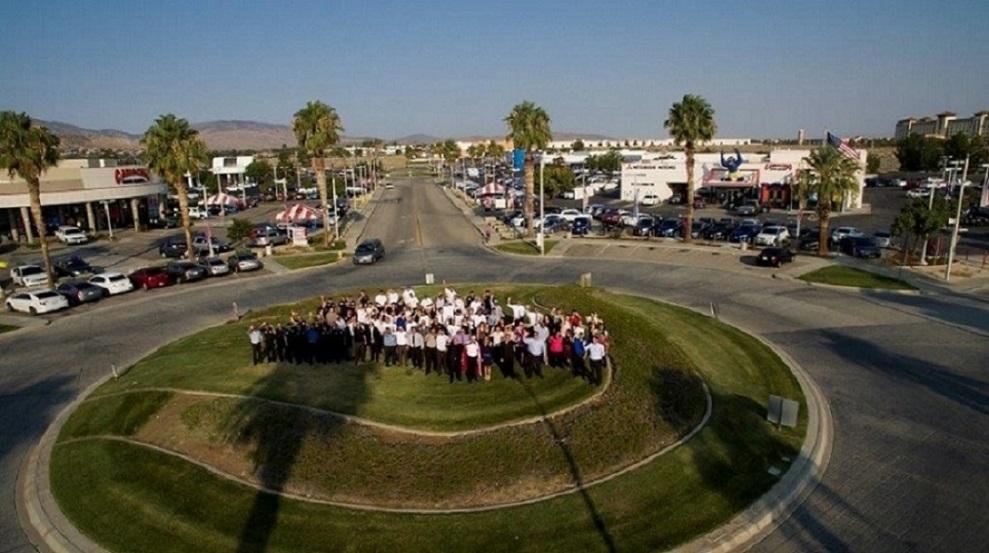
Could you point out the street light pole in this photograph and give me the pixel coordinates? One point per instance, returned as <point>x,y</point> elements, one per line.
<point>542,203</point>
<point>109,223</point>
<point>958,222</point>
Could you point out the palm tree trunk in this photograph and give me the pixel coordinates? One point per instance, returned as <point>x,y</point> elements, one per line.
<point>530,192</point>
<point>823,234</point>
<point>34,191</point>
<point>182,191</point>
<point>688,225</point>
<point>319,166</point>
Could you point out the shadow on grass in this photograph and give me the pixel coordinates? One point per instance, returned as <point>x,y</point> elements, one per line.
<point>278,434</point>
<point>578,479</point>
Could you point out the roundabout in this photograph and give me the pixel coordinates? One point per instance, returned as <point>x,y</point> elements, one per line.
<point>364,457</point>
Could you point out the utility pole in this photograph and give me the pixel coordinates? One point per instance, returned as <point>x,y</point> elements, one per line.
<point>958,222</point>
<point>542,204</point>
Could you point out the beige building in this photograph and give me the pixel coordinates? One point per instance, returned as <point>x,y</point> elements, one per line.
<point>85,193</point>
<point>943,125</point>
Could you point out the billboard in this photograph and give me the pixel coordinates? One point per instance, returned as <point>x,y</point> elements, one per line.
<point>518,159</point>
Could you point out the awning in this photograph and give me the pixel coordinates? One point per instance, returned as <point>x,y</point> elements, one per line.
<point>298,213</point>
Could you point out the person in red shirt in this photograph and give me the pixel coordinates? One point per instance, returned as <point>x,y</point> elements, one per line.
<point>557,350</point>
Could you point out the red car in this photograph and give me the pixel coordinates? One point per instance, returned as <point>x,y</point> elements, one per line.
<point>612,217</point>
<point>150,277</point>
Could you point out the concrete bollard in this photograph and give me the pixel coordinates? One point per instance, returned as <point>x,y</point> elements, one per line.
<point>113,369</point>
<point>236,312</point>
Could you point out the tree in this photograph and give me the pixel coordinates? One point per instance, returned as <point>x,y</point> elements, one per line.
<point>834,178</point>
<point>317,128</point>
<point>495,150</point>
<point>918,221</point>
<point>528,129</point>
<point>960,146</point>
<point>558,178</point>
<point>172,148</point>
<point>690,122</point>
<point>27,150</point>
<point>475,151</point>
<point>872,163</point>
<point>919,153</point>
<point>578,145</point>
<point>261,172</point>
<point>801,190</point>
<point>239,229</point>
<point>409,152</point>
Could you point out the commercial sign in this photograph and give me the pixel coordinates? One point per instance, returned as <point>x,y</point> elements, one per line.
<point>779,167</point>
<point>131,175</point>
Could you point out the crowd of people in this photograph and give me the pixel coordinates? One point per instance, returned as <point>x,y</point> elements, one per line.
<point>463,338</point>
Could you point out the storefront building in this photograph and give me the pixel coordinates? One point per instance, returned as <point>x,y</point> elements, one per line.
<point>727,177</point>
<point>91,194</point>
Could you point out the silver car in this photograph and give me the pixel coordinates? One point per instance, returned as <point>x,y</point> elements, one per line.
<point>214,266</point>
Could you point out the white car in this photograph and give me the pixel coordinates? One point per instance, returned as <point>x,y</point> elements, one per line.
<point>29,275</point>
<point>631,219</point>
<point>570,214</point>
<point>71,235</point>
<point>37,301</point>
<point>198,212</point>
<point>112,283</point>
<point>842,232</point>
<point>918,193</point>
<point>649,199</point>
<point>772,236</point>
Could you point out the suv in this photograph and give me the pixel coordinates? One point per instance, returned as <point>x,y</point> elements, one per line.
<point>844,232</point>
<point>150,277</point>
<point>268,236</point>
<point>185,271</point>
<point>368,252</point>
<point>772,236</point>
<point>859,246</point>
<point>72,267</point>
<point>173,246</point>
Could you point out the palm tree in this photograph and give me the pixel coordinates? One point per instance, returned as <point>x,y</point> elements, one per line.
<point>528,129</point>
<point>317,127</point>
<point>835,177</point>
<point>173,149</point>
<point>691,120</point>
<point>802,189</point>
<point>28,150</point>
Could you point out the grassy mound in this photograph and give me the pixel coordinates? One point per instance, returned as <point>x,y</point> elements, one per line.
<point>128,497</point>
<point>849,276</point>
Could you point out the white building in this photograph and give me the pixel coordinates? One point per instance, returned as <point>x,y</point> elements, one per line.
<point>86,193</point>
<point>760,176</point>
<point>230,170</point>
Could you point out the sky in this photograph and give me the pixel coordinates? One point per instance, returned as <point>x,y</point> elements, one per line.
<point>455,68</point>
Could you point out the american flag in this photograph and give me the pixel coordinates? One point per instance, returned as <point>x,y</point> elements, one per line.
<point>843,146</point>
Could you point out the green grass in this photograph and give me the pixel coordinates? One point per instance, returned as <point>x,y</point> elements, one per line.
<point>847,276</point>
<point>301,261</point>
<point>131,498</point>
<point>525,248</point>
<point>7,328</point>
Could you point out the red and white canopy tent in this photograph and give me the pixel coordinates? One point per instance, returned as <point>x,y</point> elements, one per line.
<point>298,213</point>
<point>223,199</point>
<point>492,189</point>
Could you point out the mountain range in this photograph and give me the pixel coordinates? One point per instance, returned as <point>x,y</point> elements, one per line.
<point>237,135</point>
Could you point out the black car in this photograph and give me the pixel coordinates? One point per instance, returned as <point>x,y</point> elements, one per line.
<point>72,267</point>
<point>173,246</point>
<point>744,233</point>
<point>581,226</point>
<point>859,246</point>
<point>185,271</point>
<point>368,252</point>
<point>166,222</point>
<point>644,226</point>
<point>718,231</point>
<point>80,292</point>
<point>774,257</point>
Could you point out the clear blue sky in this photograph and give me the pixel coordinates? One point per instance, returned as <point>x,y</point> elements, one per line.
<point>452,68</point>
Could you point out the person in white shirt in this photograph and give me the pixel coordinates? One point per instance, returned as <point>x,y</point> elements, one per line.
<point>381,299</point>
<point>402,346</point>
<point>596,355</point>
<point>442,339</point>
<point>535,354</point>
<point>392,296</point>
<point>473,353</point>
<point>257,343</point>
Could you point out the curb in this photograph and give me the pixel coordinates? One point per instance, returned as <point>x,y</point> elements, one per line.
<point>850,289</point>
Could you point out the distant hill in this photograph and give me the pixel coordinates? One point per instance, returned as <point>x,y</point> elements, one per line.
<point>240,135</point>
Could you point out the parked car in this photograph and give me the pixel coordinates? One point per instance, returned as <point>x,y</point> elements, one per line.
<point>268,236</point>
<point>72,267</point>
<point>632,219</point>
<point>772,236</point>
<point>150,277</point>
<point>509,216</point>
<point>667,228</point>
<point>37,301</point>
<point>699,203</point>
<point>71,235</point>
<point>581,226</point>
<point>198,212</point>
<point>165,222</point>
<point>201,245</point>
<point>172,246</point>
<point>883,239</point>
<point>859,246</point>
<point>368,252</point>
<point>649,199</point>
<point>185,271</point>
<point>595,210</point>
<point>719,231</point>
<point>744,232</point>
<point>774,256</point>
<point>214,266</point>
<point>554,223</point>
<point>29,275</point>
<point>244,261</point>
<point>570,214</point>
<point>750,207</point>
<point>643,227</point>
<point>675,199</point>
<point>112,283</point>
<point>613,217</point>
<point>842,232</point>
<point>80,292</point>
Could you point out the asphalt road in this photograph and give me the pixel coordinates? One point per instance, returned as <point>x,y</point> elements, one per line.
<point>906,376</point>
